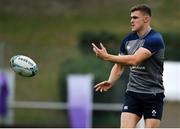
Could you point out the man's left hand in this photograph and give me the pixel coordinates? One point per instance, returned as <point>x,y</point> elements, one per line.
<point>100,52</point>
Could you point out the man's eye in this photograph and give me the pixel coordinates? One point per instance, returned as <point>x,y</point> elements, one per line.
<point>134,17</point>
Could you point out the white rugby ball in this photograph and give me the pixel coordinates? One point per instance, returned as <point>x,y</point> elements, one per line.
<point>23,65</point>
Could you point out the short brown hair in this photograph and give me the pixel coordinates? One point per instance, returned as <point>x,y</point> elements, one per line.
<point>143,8</point>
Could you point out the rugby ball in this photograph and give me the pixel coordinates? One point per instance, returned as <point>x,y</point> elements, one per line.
<point>23,65</point>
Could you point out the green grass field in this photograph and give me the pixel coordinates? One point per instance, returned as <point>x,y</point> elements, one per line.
<point>50,36</point>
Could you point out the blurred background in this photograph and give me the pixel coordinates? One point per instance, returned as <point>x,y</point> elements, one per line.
<point>57,35</point>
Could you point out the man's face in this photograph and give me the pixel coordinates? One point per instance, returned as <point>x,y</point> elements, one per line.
<point>137,21</point>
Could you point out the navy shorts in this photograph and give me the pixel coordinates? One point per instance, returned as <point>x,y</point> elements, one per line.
<point>148,105</point>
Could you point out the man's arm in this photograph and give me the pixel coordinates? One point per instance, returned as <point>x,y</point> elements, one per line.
<point>116,72</point>
<point>133,60</point>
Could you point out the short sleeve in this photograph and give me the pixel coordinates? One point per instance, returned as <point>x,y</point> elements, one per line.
<point>122,50</point>
<point>154,44</point>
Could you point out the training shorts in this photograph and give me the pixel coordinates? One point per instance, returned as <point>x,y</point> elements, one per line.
<point>148,105</point>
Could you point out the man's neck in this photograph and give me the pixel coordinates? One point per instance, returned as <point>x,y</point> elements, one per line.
<point>143,32</point>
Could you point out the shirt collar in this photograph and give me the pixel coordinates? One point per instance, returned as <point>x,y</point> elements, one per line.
<point>147,32</point>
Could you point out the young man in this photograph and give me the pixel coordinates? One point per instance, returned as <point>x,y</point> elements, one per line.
<point>142,50</point>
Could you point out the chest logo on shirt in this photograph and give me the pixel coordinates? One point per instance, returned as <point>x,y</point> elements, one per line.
<point>133,45</point>
<point>128,47</point>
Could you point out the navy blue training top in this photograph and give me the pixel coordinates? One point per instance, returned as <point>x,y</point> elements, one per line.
<point>147,76</point>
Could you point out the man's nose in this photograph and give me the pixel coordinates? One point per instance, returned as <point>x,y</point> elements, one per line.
<point>131,20</point>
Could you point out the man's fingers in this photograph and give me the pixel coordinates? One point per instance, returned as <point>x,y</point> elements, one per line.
<point>101,87</point>
<point>102,83</point>
<point>102,46</point>
<point>98,88</point>
<point>95,47</point>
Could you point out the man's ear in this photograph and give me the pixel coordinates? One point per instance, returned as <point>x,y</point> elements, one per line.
<point>146,19</point>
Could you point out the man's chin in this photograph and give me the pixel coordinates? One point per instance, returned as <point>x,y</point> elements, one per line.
<point>133,30</point>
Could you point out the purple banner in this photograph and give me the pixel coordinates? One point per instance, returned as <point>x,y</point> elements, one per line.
<point>80,100</point>
<point>3,94</point>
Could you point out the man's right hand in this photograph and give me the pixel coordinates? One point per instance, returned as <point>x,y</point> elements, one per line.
<point>103,86</point>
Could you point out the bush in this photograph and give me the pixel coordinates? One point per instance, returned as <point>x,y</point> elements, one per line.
<point>172,43</point>
<point>111,41</point>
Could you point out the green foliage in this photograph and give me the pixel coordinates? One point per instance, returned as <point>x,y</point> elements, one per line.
<point>172,43</point>
<point>106,119</point>
<point>110,40</point>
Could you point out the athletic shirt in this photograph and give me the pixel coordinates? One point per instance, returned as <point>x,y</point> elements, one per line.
<point>147,76</point>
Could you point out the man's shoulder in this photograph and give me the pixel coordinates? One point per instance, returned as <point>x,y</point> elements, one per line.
<point>154,41</point>
<point>154,35</point>
<point>131,36</point>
